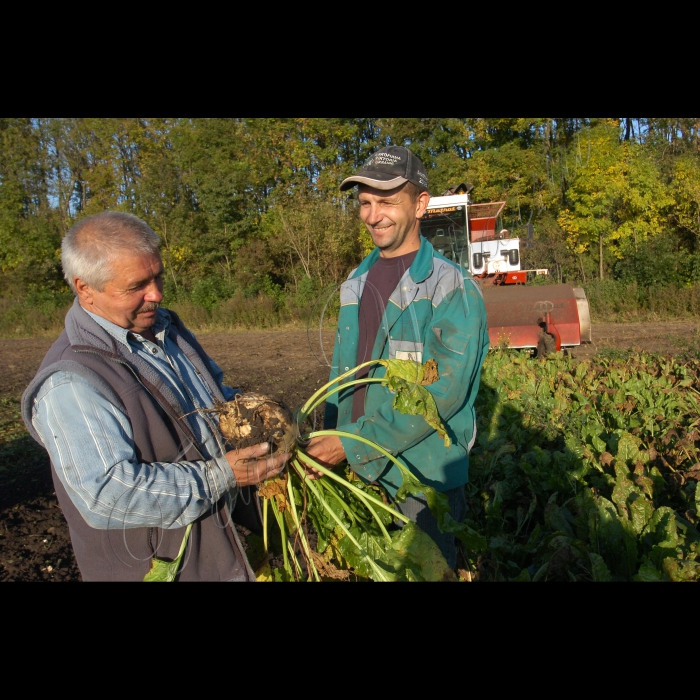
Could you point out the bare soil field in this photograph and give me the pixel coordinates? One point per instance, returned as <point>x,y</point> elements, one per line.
<point>285,364</point>
<point>669,337</point>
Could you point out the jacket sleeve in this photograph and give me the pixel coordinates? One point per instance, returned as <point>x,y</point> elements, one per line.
<point>457,339</point>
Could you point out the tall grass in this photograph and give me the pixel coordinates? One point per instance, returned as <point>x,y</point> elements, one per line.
<point>230,314</point>
<point>261,311</point>
<point>609,300</point>
<point>21,318</point>
<point>617,301</point>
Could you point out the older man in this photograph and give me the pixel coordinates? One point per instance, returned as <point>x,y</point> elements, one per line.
<point>406,301</point>
<point>120,404</point>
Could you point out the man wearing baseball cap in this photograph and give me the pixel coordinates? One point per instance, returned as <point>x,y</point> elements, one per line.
<point>406,301</point>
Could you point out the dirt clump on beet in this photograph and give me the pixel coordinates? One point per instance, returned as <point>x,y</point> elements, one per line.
<point>251,418</point>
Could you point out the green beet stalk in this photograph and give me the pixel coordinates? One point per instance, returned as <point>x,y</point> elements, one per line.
<point>341,502</point>
<point>266,504</point>
<point>300,531</point>
<point>367,380</point>
<point>184,543</point>
<point>306,408</point>
<point>341,433</point>
<point>361,496</point>
<point>376,517</point>
<point>365,500</point>
<point>287,548</point>
<point>166,571</point>
<point>327,472</point>
<point>283,533</point>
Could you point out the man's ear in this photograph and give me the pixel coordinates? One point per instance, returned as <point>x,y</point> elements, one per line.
<point>422,204</point>
<point>83,290</point>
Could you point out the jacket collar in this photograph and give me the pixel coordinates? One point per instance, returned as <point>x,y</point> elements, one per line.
<point>420,269</point>
<point>82,329</point>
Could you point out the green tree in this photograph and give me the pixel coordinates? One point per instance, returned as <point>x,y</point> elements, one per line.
<point>29,231</point>
<point>616,199</point>
<point>685,187</point>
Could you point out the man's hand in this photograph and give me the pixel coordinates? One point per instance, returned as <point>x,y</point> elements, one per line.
<point>327,450</point>
<point>252,465</point>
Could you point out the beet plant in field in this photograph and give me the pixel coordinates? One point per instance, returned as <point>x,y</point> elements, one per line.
<point>587,470</point>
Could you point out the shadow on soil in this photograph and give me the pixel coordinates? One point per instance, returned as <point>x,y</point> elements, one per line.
<point>25,472</point>
<point>34,539</point>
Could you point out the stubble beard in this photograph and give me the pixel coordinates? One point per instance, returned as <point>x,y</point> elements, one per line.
<point>392,243</point>
<point>395,242</point>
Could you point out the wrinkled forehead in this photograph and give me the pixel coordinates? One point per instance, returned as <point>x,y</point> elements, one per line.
<point>129,264</point>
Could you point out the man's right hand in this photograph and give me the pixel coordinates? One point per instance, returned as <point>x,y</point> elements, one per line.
<point>252,465</point>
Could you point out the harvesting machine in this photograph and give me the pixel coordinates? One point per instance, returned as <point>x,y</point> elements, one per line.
<point>545,318</point>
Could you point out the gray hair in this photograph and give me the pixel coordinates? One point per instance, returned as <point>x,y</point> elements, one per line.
<point>93,244</point>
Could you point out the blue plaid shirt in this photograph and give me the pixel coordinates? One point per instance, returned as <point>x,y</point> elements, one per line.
<point>91,445</point>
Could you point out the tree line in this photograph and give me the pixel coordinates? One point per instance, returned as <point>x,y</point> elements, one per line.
<point>250,207</point>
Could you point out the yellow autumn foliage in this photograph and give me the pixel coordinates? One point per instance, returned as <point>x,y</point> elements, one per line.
<point>617,194</point>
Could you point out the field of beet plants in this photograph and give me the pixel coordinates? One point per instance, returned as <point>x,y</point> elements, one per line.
<point>586,470</point>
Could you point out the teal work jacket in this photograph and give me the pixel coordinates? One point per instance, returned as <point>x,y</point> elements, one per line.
<point>436,312</point>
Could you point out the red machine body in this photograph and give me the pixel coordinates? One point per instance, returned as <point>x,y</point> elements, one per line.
<point>517,315</point>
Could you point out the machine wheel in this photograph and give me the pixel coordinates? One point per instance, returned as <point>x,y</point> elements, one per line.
<point>546,344</point>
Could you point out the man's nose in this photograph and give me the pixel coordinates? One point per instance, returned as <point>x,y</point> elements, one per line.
<point>154,292</point>
<point>375,215</point>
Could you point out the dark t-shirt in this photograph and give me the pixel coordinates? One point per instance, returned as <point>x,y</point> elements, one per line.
<point>382,280</point>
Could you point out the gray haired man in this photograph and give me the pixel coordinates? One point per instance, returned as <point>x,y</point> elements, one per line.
<point>120,403</point>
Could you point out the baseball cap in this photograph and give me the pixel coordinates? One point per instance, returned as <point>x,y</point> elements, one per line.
<point>388,168</point>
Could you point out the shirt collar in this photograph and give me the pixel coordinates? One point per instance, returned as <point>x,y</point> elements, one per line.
<point>160,328</point>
